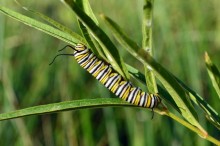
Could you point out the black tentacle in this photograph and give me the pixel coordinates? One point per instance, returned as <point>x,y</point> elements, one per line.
<point>66,47</point>
<point>60,55</point>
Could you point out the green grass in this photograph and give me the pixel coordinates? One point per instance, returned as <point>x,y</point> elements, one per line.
<point>182,32</point>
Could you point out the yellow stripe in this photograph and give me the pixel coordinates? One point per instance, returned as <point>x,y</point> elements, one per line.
<point>81,56</point>
<point>127,93</point>
<point>98,71</point>
<point>105,78</point>
<point>148,100</point>
<point>91,67</point>
<point>115,86</point>
<point>123,92</point>
<point>87,62</point>
<point>137,98</point>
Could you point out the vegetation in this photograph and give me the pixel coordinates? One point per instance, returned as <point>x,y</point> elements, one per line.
<point>165,40</point>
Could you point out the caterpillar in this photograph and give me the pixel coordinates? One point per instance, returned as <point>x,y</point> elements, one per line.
<point>104,72</point>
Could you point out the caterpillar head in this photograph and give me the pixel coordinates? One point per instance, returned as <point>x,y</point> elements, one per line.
<point>80,47</point>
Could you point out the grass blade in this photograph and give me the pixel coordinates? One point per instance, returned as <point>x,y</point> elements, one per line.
<point>88,10</point>
<point>94,46</point>
<point>214,73</point>
<point>40,26</point>
<point>147,43</point>
<point>211,114</point>
<point>58,25</point>
<point>65,106</point>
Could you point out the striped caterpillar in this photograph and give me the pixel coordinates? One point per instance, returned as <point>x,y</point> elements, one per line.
<point>111,79</point>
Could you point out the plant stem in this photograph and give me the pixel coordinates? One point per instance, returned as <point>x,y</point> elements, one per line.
<point>201,133</point>
<point>147,43</point>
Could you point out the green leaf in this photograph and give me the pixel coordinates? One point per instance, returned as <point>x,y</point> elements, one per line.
<point>108,47</point>
<point>87,9</point>
<point>214,73</point>
<point>179,95</point>
<point>211,114</point>
<point>94,46</point>
<point>40,26</point>
<point>58,25</point>
<point>147,43</point>
<point>65,106</point>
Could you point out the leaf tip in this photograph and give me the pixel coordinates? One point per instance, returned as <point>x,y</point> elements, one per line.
<point>102,16</point>
<point>206,55</point>
<point>207,59</point>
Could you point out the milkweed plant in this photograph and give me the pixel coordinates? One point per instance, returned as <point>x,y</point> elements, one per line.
<point>178,101</point>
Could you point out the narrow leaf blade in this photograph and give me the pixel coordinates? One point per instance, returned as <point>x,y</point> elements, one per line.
<point>40,26</point>
<point>214,73</point>
<point>65,106</point>
<point>107,45</point>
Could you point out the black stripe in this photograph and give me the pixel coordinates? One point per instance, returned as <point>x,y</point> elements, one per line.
<point>133,96</point>
<point>110,78</point>
<point>145,98</point>
<point>83,59</point>
<point>91,63</point>
<point>125,85</point>
<point>96,68</point>
<point>103,73</point>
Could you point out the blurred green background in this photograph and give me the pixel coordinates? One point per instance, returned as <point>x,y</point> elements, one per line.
<point>182,31</point>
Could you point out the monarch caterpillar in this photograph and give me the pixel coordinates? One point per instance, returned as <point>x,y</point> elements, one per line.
<point>111,79</point>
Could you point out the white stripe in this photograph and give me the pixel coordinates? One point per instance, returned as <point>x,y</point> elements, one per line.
<point>109,69</point>
<point>101,74</point>
<point>114,81</point>
<point>131,95</point>
<point>87,58</point>
<point>136,93</point>
<point>152,101</point>
<point>142,99</point>
<point>94,69</point>
<point>109,80</point>
<point>128,85</point>
<point>120,88</point>
<point>81,60</point>
<point>100,66</point>
<point>77,53</point>
<point>91,63</point>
